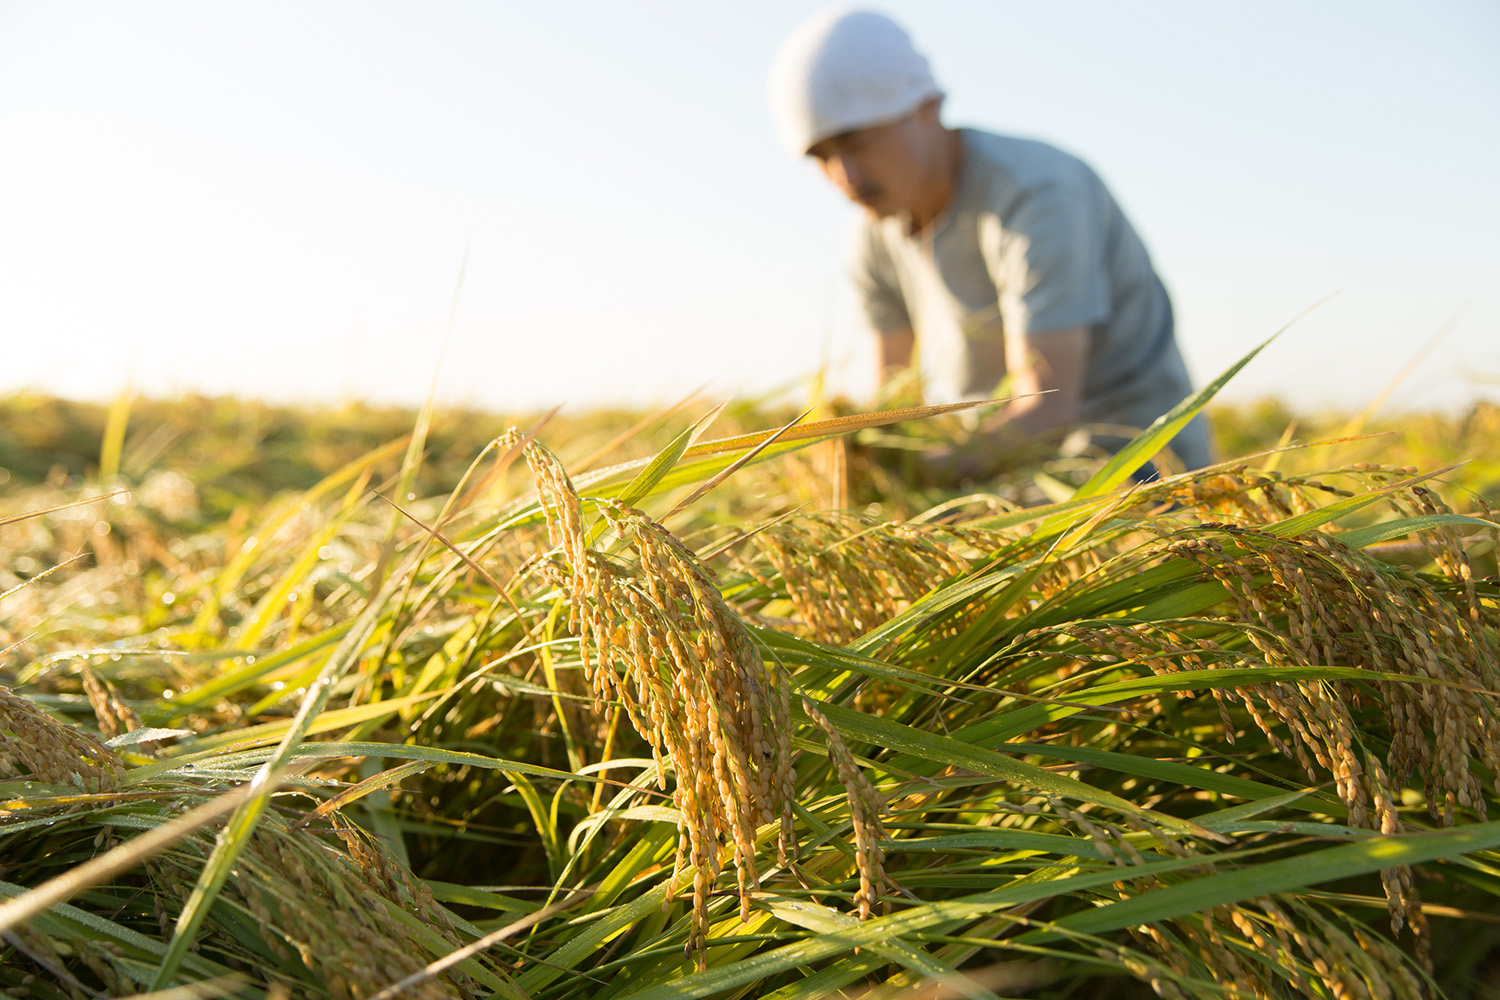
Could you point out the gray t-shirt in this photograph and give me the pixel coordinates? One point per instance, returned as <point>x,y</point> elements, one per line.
<point>1031,241</point>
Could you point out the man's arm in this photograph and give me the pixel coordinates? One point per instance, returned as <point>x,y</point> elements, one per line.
<point>1055,361</point>
<point>1052,361</point>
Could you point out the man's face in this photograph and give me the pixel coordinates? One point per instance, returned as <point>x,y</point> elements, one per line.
<point>885,169</point>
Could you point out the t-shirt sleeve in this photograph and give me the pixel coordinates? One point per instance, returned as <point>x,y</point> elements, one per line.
<point>1047,259</point>
<point>877,289</point>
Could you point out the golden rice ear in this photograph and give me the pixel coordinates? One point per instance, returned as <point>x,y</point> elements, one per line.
<point>330,910</point>
<point>657,636</point>
<point>865,807</point>
<point>114,716</point>
<point>846,576</point>
<point>51,751</point>
<point>1313,599</point>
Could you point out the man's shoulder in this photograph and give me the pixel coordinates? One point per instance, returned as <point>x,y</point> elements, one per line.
<point>1006,148</point>
<point>1014,165</point>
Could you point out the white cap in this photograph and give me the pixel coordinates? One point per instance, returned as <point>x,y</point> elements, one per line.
<point>845,70</point>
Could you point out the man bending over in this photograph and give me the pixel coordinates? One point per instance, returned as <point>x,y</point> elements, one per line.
<point>988,261</point>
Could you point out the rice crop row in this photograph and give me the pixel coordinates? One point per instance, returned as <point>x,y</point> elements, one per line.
<point>549,731</point>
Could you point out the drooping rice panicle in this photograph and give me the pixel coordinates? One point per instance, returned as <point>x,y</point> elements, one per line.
<point>33,743</point>
<point>693,684</point>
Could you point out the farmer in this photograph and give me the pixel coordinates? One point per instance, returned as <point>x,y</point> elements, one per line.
<point>981,257</point>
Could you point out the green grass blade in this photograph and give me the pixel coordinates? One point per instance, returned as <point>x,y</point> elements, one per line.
<point>1284,875</point>
<point>252,549</point>
<point>1301,524</point>
<point>1154,438</point>
<point>236,834</point>
<point>18,911</point>
<point>647,479</point>
<point>830,923</point>
<point>1387,530</point>
<point>113,445</point>
<point>244,759</point>
<point>702,461</point>
<point>1010,724</point>
<point>870,932</point>
<point>275,599</point>
<point>64,919</point>
<point>1141,766</point>
<point>916,745</point>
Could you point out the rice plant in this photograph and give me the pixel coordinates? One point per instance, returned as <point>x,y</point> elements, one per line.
<point>645,730</point>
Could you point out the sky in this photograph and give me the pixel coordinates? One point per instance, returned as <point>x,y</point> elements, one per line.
<point>585,201</point>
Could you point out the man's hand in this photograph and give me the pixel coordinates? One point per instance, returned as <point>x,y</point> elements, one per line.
<point>895,349</point>
<point>948,466</point>
<point>1052,361</point>
<point>981,455</point>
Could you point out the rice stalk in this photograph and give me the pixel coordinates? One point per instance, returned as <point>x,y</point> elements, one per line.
<point>690,681</point>
<point>658,638</point>
<point>1313,600</point>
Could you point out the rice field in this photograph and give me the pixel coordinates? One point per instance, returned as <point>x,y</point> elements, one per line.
<point>728,701</point>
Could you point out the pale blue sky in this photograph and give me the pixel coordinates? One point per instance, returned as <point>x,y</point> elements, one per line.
<point>273,198</point>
